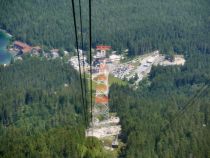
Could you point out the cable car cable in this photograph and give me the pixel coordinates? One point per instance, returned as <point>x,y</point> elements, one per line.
<point>191,102</point>
<point>82,46</point>
<point>90,55</point>
<point>77,47</point>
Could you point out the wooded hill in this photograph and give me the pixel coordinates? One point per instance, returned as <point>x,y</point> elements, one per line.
<point>140,25</point>
<point>167,116</point>
<point>40,117</point>
<point>41,114</point>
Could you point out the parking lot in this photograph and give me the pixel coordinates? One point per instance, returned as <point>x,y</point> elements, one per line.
<point>139,66</point>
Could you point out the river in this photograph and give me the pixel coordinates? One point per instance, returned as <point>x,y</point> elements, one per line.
<point>5,56</point>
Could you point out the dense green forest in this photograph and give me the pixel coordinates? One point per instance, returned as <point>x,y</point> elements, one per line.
<point>154,119</point>
<point>41,112</point>
<point>140,25</point>
<point>42,117</point>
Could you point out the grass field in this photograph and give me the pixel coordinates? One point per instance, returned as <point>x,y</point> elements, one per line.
<point>113,79</point>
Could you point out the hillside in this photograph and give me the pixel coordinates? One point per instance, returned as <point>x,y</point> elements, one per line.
<point>41,113</point>
<point>140,25</point>
<point>167,116</point>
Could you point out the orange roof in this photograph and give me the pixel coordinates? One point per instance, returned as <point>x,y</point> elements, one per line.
<point>25,48</point>
<point>102,100</point>
<point>21,44</point>
<point>101,77</point>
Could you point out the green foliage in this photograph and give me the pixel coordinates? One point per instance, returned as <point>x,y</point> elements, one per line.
<point>115,80</point>
<point>39,115</point>
<point>151,123</point>
<point>133,79</point>
<point>139,25</point>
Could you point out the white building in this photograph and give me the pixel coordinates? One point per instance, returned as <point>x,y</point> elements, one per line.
<point>100,54</point>
<point>54,53</point>
<point>115,57</point>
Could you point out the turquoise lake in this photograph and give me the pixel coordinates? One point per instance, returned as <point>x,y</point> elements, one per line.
<point>5,56</point>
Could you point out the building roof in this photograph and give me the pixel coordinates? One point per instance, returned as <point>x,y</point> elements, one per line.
<point>24,47</point>
<point>21,44</point>
<point>102,47</point>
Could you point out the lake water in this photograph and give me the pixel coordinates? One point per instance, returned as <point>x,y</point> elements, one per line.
<point>5,56</point>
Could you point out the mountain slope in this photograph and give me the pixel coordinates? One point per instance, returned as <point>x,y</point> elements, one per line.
<point>139,25</point>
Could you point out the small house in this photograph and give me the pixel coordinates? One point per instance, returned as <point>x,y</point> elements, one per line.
<point>23,47</point>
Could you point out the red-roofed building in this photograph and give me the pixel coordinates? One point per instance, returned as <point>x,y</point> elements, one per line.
<point>102,47</point>
<point>101,51</point>
<point>22,46</point>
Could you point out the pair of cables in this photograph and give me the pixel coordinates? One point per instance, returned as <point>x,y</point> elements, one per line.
<point>83,83</point>
<point>202,90</point>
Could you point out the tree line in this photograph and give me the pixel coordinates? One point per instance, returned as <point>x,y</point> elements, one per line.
<point>41,112</point>
<point>163,117</point>
<point>139,25</point>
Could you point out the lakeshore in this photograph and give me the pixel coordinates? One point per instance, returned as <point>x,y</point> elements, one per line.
<point>5,56</point>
